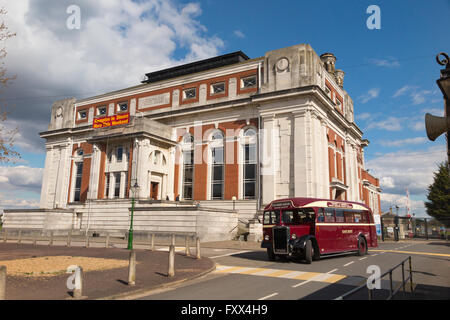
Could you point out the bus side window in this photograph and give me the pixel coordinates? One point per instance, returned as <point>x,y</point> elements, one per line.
<point>320,216</point>
<point>364,218</point>
<point>267,217</point>
<point>348,216</point>
<point>329,215</point>
<point>357,216</point>
<point>339,215</point>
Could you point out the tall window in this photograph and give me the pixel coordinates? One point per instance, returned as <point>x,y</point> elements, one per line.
<point>250,161</point>
<point>217,166</point>
<point>107,186</point>
<point>78,177</point>
<point>117,185</point>
<point>188,174</point>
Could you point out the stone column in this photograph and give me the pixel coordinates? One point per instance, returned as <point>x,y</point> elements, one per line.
<point>268,164</point>
<point>302,154</point>
<point>95,172</point>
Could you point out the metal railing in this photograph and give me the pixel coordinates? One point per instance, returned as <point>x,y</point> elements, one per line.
<point>392,291</point>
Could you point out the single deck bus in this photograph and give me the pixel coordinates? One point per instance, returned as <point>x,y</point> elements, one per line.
<point>308,228</point>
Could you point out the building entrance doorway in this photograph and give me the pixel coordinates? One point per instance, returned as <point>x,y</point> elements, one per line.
<point>154,188</point>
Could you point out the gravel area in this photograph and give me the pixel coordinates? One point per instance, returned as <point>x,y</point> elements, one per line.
<point>55,265</point>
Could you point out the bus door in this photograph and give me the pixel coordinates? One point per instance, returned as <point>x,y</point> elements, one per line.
<point>326,230</point>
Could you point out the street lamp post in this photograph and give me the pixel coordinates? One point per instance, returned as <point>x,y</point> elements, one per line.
<point>134,190</point>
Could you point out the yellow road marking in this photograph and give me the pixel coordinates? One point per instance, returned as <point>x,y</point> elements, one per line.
<point>278,273</point>
<point>416,252</point>
<point>306,276</point>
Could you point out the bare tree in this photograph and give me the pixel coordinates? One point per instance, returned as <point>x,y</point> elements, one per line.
<point>7,153</point>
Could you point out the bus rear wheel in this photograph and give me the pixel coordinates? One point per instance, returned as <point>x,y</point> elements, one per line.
<point>362,246</point>
<point>270,254</point>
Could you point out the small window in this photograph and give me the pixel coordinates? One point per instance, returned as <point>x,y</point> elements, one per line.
<point>188,139</point>
<point>82,114</point>
<point>218,88</point>
<point>339,215</point>
<point>271,217</point>
<point>190,93</point>
<point>348,216</point>
<point>248,82</point>
<point>101,111</point>
<point>122,107</point>
<point>119,155</point>
<point>329,215</point>
<point>320,215</point>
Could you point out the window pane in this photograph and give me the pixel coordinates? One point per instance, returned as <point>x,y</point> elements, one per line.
<point>188,157</point>
<point>348,216</point>
<point>119,154</point>
<point>250,153</point>
<point>117,186</point>
<point>187,192</point>
<point>218,173</point>
<point>329,215</point>
<point>217,155</point>
<point>249,190</point>
<point>339,215</point>
<point>250,172</point>
<point>188,175</point>
<point>217,191</point>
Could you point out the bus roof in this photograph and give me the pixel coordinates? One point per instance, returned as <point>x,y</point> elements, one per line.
<point>315,202</point>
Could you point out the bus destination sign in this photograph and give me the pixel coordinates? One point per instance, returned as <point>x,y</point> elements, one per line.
<point>114,120</point>
<point>336,204</point>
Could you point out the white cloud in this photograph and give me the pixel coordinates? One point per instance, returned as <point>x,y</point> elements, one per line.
<point>403,142</point>
<point>406,169</point>
<point>371,94</point>
<point>390,63</point>
<point>417,96</point>
<point>363,116</point>
<point>389,124</point>
<point>239,34</point>
<point>118,42</point>
<point>403,90</point>
<point>20,178</point>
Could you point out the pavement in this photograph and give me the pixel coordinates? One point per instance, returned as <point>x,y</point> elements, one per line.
<point>151,272</point>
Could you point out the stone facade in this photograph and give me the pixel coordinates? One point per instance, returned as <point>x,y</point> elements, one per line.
<point>230,136</point>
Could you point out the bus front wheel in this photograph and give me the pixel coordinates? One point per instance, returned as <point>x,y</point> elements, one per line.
<point>309,252</point>
<point>270,254</point>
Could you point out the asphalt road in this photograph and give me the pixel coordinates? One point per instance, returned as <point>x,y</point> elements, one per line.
<point>248,275</point>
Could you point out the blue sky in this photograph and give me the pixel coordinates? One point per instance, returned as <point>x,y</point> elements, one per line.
<point>390,73</point>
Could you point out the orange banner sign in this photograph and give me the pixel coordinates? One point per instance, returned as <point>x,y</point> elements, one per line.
<point>111,121</point>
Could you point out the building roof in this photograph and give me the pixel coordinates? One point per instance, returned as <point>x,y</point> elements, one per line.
<point>198,66</point>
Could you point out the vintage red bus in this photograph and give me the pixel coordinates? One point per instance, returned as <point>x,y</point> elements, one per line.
<point>308,228</point>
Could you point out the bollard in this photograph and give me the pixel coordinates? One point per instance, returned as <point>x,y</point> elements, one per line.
<point>171,270</point>
<point>198,248</point>
<point>2,282</point>
<point>34,240</point>
<point>19,237</point>
<point>152,247</point>
<point>107,241</point>
<point>132,269</point>
<point>51,239</point>
<point>173,240</point>
<point>78,290</point>
<point>5,235</point>
<point>69,238</point>
<point>188,250</point>
<point>86,242</point>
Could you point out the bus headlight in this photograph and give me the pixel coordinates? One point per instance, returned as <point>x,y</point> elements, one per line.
<point>293,236</point>
<point>266,237</point>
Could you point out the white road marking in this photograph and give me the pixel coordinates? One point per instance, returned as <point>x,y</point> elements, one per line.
<point>269,296</point>
<point>228,254</point>
<point>301,283</point>
<point>347,264</point>
<point>363,258</point>
<point>333,270</point>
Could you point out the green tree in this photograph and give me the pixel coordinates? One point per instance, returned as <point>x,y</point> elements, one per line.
<point>438,206</point>
<point>7,152</point>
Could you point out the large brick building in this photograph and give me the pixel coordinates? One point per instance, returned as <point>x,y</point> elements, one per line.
<point>224,136</point>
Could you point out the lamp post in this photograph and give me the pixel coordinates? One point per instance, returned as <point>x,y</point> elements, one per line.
<point>134,191</point>
<point>435,126</point>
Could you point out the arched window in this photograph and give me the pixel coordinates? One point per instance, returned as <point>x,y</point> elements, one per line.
<point>250,162</point>
<point>217,165</point>
<point>188,167</point>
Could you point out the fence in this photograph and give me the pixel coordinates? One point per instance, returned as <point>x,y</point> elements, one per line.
<point>394,228</point>
<point>392,291</point>
<point>93,238</point>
